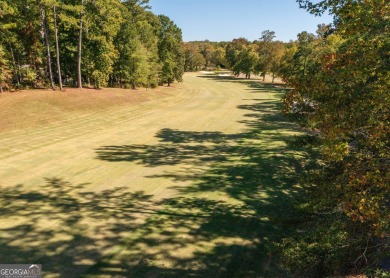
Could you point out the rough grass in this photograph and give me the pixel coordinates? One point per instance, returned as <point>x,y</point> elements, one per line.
<point>30,108</point>
<point>198,183</point>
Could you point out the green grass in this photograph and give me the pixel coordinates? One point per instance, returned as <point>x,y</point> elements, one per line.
<point>197,185</point>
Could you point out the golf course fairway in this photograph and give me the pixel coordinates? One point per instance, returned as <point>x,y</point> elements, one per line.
<point>195,183</point>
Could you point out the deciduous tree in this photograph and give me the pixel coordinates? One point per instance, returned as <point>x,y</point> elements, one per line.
<point>344,76</point>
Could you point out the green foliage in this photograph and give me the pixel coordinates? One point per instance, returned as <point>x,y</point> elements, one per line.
<point>341,90</point>
<point>102,20</point>
<point>170,52</point>
<point>233,51</point>
<point>29,76</point>
<point>318,251</point>
<point>204,55</point>
<point>265,52</point>
<point>193,59</point>
<point>247,61</point>
<point>4,71</point>
<point>264,56</point>
<point>122,41</point>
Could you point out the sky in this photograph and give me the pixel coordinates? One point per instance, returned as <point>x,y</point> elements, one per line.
<point>224,20</point>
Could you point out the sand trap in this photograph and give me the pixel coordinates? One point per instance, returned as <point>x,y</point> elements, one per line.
<point>207,72</point>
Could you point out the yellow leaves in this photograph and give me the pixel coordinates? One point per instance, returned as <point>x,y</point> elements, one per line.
<point>336,152</point>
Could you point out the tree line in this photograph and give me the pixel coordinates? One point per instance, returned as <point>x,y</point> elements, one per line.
<point>49,43</point>
<point>341,80</point>
<point>241,56</point>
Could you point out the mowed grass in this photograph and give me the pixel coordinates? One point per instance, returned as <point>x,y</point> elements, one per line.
<point>31,108</point>
<point>198,183</point>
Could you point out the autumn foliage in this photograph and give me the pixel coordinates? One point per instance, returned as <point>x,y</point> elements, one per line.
<point>341,82</point>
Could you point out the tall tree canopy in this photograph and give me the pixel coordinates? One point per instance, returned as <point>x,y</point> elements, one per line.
<point>341,81</point>
<point>170,51</point>
<point>88,42</point>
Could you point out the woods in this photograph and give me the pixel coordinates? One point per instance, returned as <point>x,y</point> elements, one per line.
<point>340,81</point>
<point>46,43</point>
<point>262,56</point>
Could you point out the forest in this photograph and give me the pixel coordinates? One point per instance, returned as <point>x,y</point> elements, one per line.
<point>86,43</point>
<point>337,89</point>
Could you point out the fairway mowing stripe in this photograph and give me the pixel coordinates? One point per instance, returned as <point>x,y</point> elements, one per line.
<point>116,113</point>
<point>83,130</point>
<point>60,124</point>
<point>214,110</point>
<point>123,113</point>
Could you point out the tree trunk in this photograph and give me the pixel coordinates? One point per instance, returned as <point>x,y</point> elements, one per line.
<point>112,80</point>
<point>273,77</point>
<point>19,75</point>
<point>15,68</point>
<point>79,81</point>
<point>46,36</point>
<point>1,89</point>
<point>263,76</point>
<point>57,48</point>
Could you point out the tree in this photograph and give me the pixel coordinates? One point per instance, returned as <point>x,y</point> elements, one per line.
<point>233,51</point>
<point>277,51</point>
<point>193,59</point>
<point>137,63</point>
<point>6,13</point>
<point>343,75</point>
<point>45,34</point>
<point>4,71</point>
<point>207,50</point>
<point>89,42</point>
<point>80,47</point>
<point>247,61</point>
<point>265,55</point>
<point>170,51</point>
<point>57,46</point>
<point>24,36</point>
<point>103,20</point>
<point>219,57</point>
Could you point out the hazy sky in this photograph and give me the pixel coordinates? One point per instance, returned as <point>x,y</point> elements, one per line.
<point>224,20</point>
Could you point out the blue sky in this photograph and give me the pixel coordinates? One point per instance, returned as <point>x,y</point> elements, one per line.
<point>224,20</point>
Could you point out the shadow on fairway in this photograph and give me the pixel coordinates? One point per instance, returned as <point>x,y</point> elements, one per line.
<point>247,191</point>
<point>62,227</point>
<point>224,224</point>
<point>252,84</point>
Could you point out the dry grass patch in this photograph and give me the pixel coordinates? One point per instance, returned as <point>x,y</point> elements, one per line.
<point>29,108</point>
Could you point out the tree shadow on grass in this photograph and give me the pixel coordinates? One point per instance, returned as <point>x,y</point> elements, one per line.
<point>224,224</point>
<point>245,195</point>
<point>68,230</point>
<point>252,84</point>
<point>62,227</point>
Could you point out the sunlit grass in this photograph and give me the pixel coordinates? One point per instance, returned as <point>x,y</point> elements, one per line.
<point>199,184</point>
